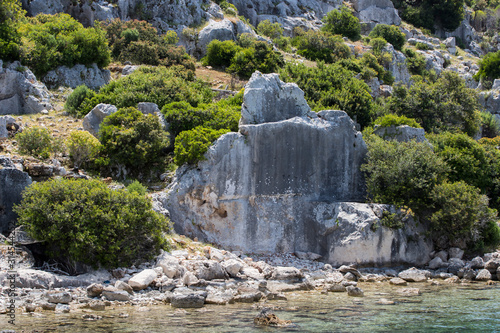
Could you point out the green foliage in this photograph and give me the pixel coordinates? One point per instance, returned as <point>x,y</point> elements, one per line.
<point>490,127</point>
<point>283,43</point>
<point>10,39</point>
<point>422,46</point>
<point>228,8</point>
<point>87,222</point>
<point>461,213</point>
<point>402,173</point>
<point>369,61</point>
<point>446,105</point>
<point>38,142</point>
<point>219,53</point>
<point>342,22</point>
<point>83,148</point>
<point>158,85</point>
<point>317,45</point>
<point>415,62</point>
<point>489,67</point>
<point>76,98</point>
<point>271,30</point>
<point>183,117</point>
<point>50,41</point>
<point>332,87</point>
<point>132,140</point>
<point>377,44</point>
<point>394,120</point>
<point>391,34</point>
<point>139,43</point>
<point>430,13</point>
<point>190,146</point>
<point>137,187</point>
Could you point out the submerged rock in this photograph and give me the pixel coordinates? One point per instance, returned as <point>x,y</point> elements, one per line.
<point>267,318</point>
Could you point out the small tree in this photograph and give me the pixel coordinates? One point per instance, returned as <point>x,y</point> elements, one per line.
<point>190,146</point>
<point>391,34</point>
<point>83,148</point>
<point>271,30</point>
<point>342,22</point>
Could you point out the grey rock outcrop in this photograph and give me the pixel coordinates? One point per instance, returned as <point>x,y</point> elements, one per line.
<point>12,183</point>
<point>376,11</point>
<point>282,186</point>
<point>20,92</point>
<point>490,100</point>
<point>151,108</point>
<point>268,92</point>
<point>31,278</point>
<point>92,76</point>
<point>94,118</point>
<point>7,122</point>
<point>397,66</point>
<point>402,133</point>
<point>465,31</point>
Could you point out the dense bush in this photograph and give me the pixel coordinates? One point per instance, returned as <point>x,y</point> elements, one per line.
<point>431,13</point>
<point>370,61</point>
<point>183,117</point>
<point>50,41</point>
<point>190,146</point>
<point>394,120</point>
<point>271,30</point>
<point>342,22</point>
<point>134,141</point>
<point>139,43</point>
<point>415,62</point>
<point>489,67</point>
<point>391,34</point>
<point>461,215</point>
<point>402,173</point>
<point>83,148</point>
<point>38,142</point>
<point>76,98</point>
<point>445,105</point>
<point>219,53</point>
<point>87,222</point>
<point>158,85</point>
<point>490,127</point>
<point>332,87</point>
<point>137,187</point>
<point>10,39</point>
<point>317,45</point>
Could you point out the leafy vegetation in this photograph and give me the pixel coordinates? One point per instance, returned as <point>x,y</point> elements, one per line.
<point>271,30</point>
<point>342,22</point>
<point>10,39</point>
<point>190,146</point>
<point>50,41</point>
<point>90,223</point>
<point>394,120</point>
<point>76,98</point>
<point>38,142</point>
<point>321,46</point>
<point>391,34</point>
<point>83,148</point>
<point>489,67</point>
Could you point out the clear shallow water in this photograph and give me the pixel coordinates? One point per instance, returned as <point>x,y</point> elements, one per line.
<point>444,308</point>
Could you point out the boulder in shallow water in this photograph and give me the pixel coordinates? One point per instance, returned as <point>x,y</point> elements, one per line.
<point>483,275</point>
<point>414,275</point>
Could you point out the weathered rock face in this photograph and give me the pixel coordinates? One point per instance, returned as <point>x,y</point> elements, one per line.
<point>12,183</point>
<point>376,11</point>
<point>397,66</point>
<point>92,77</point>
<point>280,187</point>
<point>94,118</point>
<point>20,92</point>
<point>490,100</point>
<point>465,31</point>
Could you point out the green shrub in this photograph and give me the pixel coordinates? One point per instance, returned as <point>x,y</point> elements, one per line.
<point>158,85</point>
<point>415,62</point>
<point>38,142</point>
<point>183,117</point>
<point>446,105</point>
<point>246,40</point>
<point>402,173</point>
<point>55,40</point>
<point>391,34</point>
<point>377,44</point>
<point>220,54</point>
<point>368,60</point>
<point>317,45</point>
<point>489,67</point>
<point>260,57</point>
<point>490,127</point>
<point>332,87</point>
<point>87,222</point>
<point>190,146</point>
<point>283,43</point>
<point>228,8</point>
<point>10,40</point>
<point>271,30</point>
<point>394,120</point>
<point>76,98</point>
<point>83,148</point>
<point>342,22</point>
<point>461,213</point>
<point>134,141</point>
<point>422,46</point>
<point>137,187</point>
<point>139,43</point>
<point>429,14</point>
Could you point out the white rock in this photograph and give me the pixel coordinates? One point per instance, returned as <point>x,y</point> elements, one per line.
<point>143,279</point>
<point>94,118</point>
<point>232,266</point>
<point>455,252</point>
<point>483,275</point>
<point>91,76</point>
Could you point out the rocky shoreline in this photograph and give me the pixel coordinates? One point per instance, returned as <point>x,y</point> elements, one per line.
<point>193,277</point>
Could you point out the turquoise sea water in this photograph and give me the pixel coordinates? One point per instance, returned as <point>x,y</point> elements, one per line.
<point>445,308</point>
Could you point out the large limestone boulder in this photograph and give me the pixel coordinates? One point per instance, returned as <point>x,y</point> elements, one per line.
<point>20,92</point>
<point>402,133</point>
<point>220,30</point>
<point>268,99</point>
<point>143,279</point>
<point>92,121</point>
<point>376,11</point>
<point>12,184</point>
<point>92,76</point>
<point>397,66</point>
<point>288,185</point>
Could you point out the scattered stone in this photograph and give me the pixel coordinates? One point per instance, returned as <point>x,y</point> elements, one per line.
<point>492,265</point>
<point>483,275</point>
<point>62,308</point>
<point>477,263</point>
<point>355,291</point>
<point>467,273</point>
<point>287,274</point>
<point>414,275</point>
<point>443,255</point>
<point>143,279</point>
<point>403,133</point>
<point>48,306</point>
<point>266,318</point>
<point>59,297</point>
<point>385,301</point>
<point>437,262</point>
<point>91,76</point>
<point>398,282</point>
<point>409,291</point>
<point>453,279</point>
<point>95,290</point>
<point>124,286</point>
<point>336,288</point>
<point>115,294</point>
<point>187,300</point>
<point>97,306</point>
<point>455,252</point>
<point>232,267</point>
<point>91,317</point>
